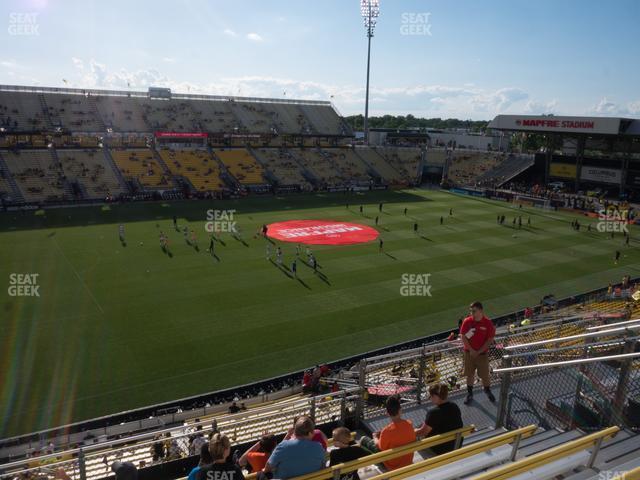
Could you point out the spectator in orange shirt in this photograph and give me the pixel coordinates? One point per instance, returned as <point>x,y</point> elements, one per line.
<point>258,455</point>
<point>399,432</point>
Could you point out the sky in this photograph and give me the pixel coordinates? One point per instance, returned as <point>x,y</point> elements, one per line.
<point>468,59</point>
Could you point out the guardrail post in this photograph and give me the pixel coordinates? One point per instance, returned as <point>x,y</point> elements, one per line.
<point>505,386</point>
<point>422,364</point>
<point>514,449</point>
<point>622,388</point>
<point>343,408</point>
<point>81,465</point>
<point>458,442</point>
<point>312,409</point>
<point>594,453</point>
<point>362,373</point>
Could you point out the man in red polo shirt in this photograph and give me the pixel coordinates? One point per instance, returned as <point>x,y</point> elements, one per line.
<point>477,333</point>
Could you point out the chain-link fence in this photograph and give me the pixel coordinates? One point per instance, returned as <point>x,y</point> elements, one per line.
<point>587,387</point>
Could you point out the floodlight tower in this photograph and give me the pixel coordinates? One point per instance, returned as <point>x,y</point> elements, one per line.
<point>370,10</point>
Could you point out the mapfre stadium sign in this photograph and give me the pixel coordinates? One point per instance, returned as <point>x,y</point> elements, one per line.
<point>535,123</point>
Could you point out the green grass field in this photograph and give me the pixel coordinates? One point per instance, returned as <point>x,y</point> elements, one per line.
<point>120,327</point>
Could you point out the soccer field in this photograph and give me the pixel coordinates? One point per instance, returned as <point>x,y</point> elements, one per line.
<point>118,327</point>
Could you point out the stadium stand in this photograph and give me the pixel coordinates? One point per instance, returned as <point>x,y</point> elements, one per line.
<point>388,173</point>
<point>37,174</point>
<point>503,172</point>
<point>241,164</point>
<point>350,165</point>
<point>215,116</point>
<point>75,112</point>
<point>320,166</point>
<point>324,120</point>
<point>169,115</point>
<point>467,166</point>
<point>405,160</point>
<point>92,171</point>
<point>121,114</point>
<point>21,112</point>
<point>140,166</point>
<point>283,165</point>
<point>196,166</point>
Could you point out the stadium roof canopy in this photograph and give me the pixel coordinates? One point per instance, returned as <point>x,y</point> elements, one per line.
<point>593,126</point>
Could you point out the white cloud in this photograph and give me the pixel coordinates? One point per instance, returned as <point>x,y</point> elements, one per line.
<point>540,108</point>
<point>78,63</point>
<point>229,32</point>
<point>8,64</point>
<point>168,59</point>
<point>254,37</point>
<point>467,101</point>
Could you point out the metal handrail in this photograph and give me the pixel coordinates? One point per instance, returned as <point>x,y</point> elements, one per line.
<point>580,361</point>
<point>574,337</point>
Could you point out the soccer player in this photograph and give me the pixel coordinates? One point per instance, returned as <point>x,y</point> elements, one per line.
<point>528,221</point>
<point>121,233</point>
<point>264,231</point>
<point>298,248</point>
<point>185,232</point>
<point>415,228</point>
<point>451,212</point>
<point>308,252</point>
<point>405,211</point>
<point>380,207</point>
<point>211,244</point>
<point>193,238</point>
<point>617,256</point>
<point>314,264</point>
<point>294,268</point>
<point>626,240</point>
<point>175,222</point>
<point>279,256</point>
<point>162,240</point>
<point>360,209</point>
<point>520,222</point>
<point>376,220</point>
<point>441,220</point>
<point>380,246</point>
<point>268,251</point>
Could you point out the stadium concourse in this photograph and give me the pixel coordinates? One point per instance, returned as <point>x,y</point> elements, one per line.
<point>567,379</point>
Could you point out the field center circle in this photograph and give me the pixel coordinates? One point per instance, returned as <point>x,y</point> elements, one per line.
<point>321,232</point>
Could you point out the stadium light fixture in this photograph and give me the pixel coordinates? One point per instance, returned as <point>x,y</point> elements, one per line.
<point>370,10</point>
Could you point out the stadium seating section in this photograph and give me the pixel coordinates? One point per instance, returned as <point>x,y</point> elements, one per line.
<point>196,166</point>
<point>38,175</point>
<point>467,166</point>
<point>140,165</point>
<point>380,165</point>
<point>320,165</point>
<point>91,170</point>
<point>405,160</point>
<point>283,165</point>
<point>242,165</point>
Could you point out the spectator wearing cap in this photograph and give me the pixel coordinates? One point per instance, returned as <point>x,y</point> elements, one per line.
<point>299,455</point>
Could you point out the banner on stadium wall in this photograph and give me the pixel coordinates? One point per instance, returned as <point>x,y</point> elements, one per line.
<point>545,123</point>
<point>602,175</point>
<point>181,135</point>
<point>562,170</point>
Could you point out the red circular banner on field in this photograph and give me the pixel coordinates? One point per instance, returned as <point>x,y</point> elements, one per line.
<point>321,232</point>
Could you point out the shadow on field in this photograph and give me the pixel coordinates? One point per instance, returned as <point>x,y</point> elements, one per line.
<point>303,284</point>
<point>190,210</point>
<point>390,256</point>
<point>282,268</point>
